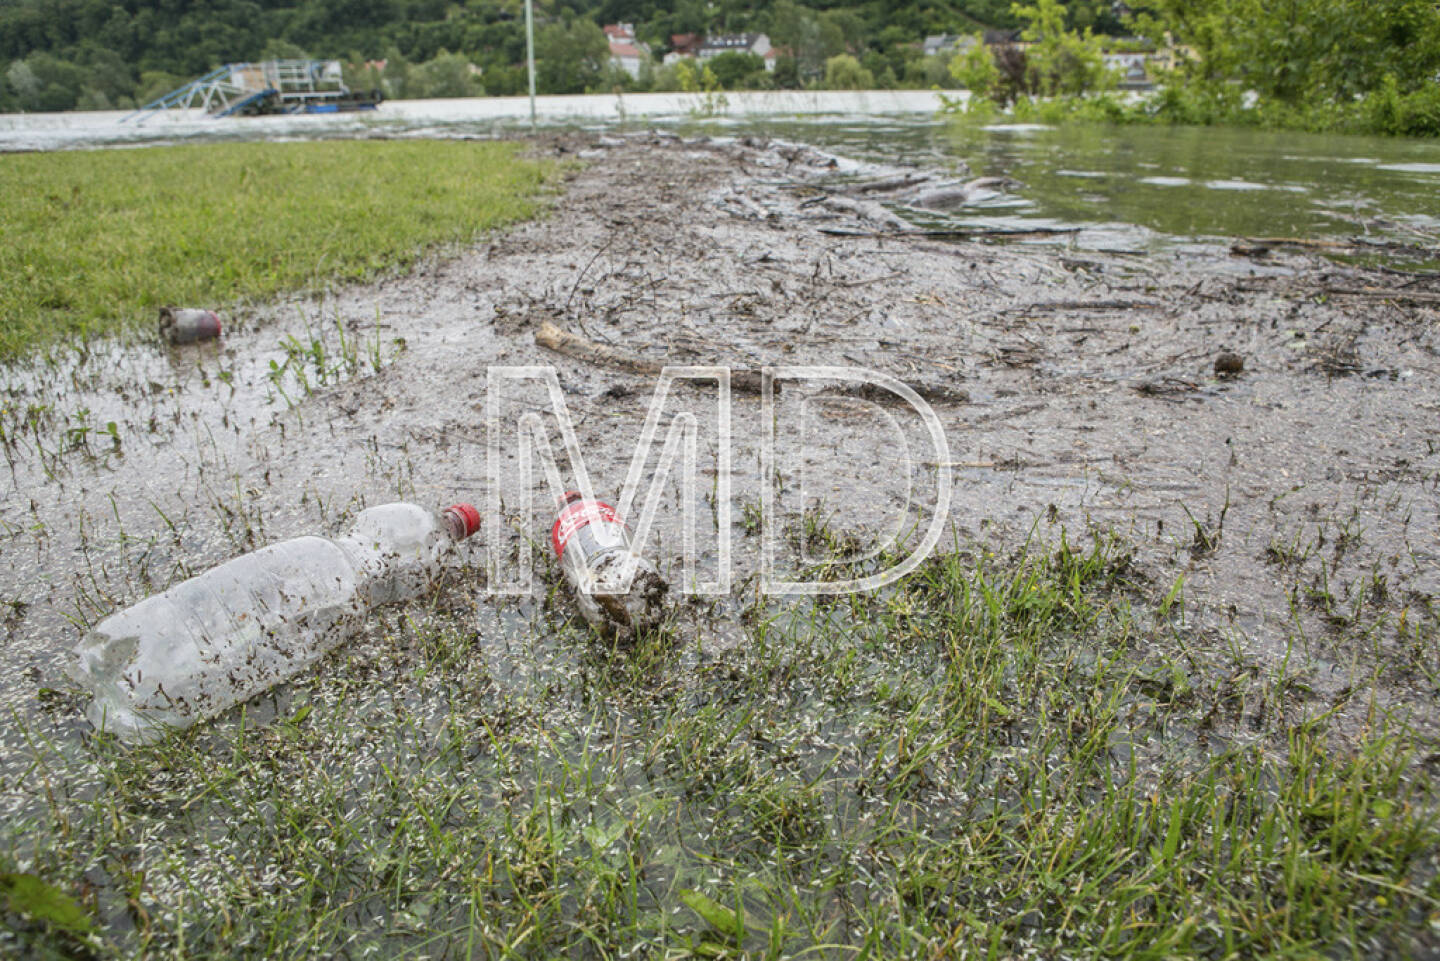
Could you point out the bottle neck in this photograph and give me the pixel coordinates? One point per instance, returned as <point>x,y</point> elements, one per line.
<point>453,524</point>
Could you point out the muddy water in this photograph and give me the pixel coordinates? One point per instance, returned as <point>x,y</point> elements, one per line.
<point>1092,403</point>
<point>1131,187</point>
<point>1173,183</point>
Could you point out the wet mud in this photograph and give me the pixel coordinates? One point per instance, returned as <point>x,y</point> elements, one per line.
<point>1260,429</point>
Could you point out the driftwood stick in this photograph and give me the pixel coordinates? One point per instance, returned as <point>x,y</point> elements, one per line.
<point>550,337</point>
<point>952,234</point>
<point>1084,305</point>
<point>1387,293</point>
<point>1300,242</point>
<point>1250,246</point>
<point>887,185</point>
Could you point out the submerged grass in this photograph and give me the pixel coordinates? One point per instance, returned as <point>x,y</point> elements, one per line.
<point>998,758</point>
<point>97,241</point>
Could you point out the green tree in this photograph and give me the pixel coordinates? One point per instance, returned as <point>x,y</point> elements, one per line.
<point>277,49</point>
<point>810,40</point>
<point>155,84</point>
<point>1302,51</point>
<point>733,67</point>
<point>446,75</point>
<point>843,72</point>
<point>47,83</point>
<point>23,85</point>
<point>787,73</point>
<point>926,73</point>
<point>845,29</point>
<point>666,79</point>
<point>1060,61</point>
<point>570,57</point>
<point>975,70</point>
<point>696,77</point>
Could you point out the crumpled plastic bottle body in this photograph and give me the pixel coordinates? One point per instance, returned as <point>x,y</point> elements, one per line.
<point>218,639</point>
<point>398,549</point>
<point>223,636</point>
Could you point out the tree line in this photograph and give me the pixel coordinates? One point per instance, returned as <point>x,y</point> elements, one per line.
<point>1363,66</point>
<point>99,54</point>
<point>1323,64</point>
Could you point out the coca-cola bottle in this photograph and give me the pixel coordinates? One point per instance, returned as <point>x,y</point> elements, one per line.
<point>619,592</point>
<point>230,633</point>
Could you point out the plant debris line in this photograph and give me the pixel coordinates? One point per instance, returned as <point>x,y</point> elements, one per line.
<point>127,469</point>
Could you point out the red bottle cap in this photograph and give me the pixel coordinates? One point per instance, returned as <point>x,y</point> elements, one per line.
<point>468,515</point>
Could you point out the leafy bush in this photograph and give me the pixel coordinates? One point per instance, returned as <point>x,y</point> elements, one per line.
<point>843,72</point>
<point>448,75</point>
<point>733,68</point>
<point>1414,114</point>
<point>976,71</point>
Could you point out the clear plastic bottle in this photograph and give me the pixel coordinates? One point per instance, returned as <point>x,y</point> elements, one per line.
<point>221,637</point>
<point>618,592</point>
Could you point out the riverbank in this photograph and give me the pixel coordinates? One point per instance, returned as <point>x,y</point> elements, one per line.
<point>1385,112</point>
<point>1168,687</point>
<point>439,118</point>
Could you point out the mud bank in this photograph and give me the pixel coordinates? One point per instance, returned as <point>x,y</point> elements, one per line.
<point>1289,510</point>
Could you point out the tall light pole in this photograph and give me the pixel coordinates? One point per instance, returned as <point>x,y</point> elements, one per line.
<point>530,55</point>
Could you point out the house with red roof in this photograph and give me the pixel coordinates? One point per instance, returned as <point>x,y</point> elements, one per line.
<point>626,51</point>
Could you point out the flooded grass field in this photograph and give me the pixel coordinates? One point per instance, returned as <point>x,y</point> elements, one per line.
<point>1002,756</point>
<point>1167,688</point>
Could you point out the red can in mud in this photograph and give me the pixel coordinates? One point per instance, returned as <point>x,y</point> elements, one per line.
<point>617,591</point>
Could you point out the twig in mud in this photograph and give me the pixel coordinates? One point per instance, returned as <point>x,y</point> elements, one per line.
<point>1310,242</point>
<point>1415,275</point>
<point>585,270</point>
<point>1013,412</point>
<point>882,185</point>
<point>930,393</point>
<point>952,233</point>
<point>1259,246</point>
<point>867,282</point>
<point>1167,388</point>
<point>1086,305</point>
<point>1386,293</point>
<point>550,337</point>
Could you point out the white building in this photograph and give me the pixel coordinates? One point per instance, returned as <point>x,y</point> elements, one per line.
<point>756,43</point>
<point>625,50</point>
<point>946,43</point>
<point>1130,69</point>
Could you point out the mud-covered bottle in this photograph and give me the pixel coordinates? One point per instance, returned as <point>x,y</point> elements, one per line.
<point>187,325</point>
<point>223,636</point>
<point>618,591</point>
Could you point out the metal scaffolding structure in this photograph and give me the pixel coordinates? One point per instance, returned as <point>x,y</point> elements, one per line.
<point>271,86</point>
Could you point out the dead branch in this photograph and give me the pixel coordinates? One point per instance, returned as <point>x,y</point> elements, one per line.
<point>1386,293</point>
<point>550,337</point>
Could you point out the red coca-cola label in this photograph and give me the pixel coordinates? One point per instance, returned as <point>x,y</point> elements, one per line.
<point>576,515</point>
